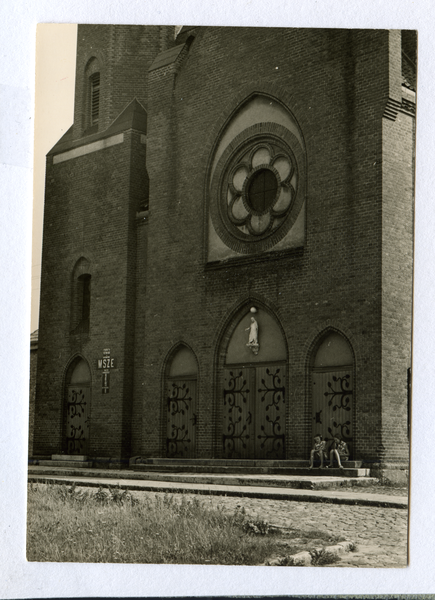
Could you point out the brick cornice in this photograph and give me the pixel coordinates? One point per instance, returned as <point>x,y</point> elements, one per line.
<point>391,109</point>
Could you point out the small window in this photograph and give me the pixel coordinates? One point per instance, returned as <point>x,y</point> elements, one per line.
<point>81,304</point>
<point>85,284</point>
<point>95,98</point>
<point>91,96</point>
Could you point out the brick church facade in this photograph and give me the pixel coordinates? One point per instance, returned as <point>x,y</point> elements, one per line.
<point>228,247</point>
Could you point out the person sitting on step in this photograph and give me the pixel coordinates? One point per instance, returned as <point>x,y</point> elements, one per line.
<point>339,450</point>
<point>318,449</point>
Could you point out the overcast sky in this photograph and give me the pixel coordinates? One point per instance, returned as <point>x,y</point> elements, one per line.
<point>54,106</point>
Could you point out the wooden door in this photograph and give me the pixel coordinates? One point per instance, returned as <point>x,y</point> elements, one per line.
<point>238,422</point>
<point>77,419</point>
<point>270,412</point>
<point>254,412</point>
<point>181,418</point>
<point>332,394</point>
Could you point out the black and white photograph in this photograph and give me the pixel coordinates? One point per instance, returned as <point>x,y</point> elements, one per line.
<point>217,373</point>
<point>221,372</point>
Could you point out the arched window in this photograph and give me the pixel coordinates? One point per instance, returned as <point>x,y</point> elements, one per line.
<point>95,98</point>
<point>81,298</point>
<point>257,181</point>
<point>84,299</point>
<point>92,96</point>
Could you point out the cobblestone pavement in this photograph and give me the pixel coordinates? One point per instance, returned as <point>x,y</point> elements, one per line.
<point>381,489</point>
<point>380,533</point>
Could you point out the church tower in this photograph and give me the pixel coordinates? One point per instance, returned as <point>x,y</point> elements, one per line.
<point>94,248</point>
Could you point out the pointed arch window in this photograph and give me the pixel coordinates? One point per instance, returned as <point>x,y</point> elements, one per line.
<point>81,298</point>
<point>84,297</point>
<point>92,87</point>
<point>95,98</point>
<point>257,185</point>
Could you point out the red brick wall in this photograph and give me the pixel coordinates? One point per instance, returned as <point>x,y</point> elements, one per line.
<point>88,213</point>
<point>336,83</point>
<point>151,285</point>
<point>398,138</point>
<point>140,349</point>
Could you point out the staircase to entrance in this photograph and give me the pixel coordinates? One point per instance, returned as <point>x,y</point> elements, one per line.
<point>205,472</point>
<point>244,467</point>
<point>251,472</point>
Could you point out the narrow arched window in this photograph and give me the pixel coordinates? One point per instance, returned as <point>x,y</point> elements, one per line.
<point>92,95</point>
<point>81,298</point>
<point>95,98</point>
<point>84,298</point>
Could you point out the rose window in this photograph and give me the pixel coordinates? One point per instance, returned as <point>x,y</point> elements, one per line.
<point>256,189</point>
<point>261,187</point>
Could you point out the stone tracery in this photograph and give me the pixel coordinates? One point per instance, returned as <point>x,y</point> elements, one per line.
<point>261,188</point>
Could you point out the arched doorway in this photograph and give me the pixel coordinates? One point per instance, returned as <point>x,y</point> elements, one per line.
<point>78,405</point>
<point>253,401</point>
<point>180,396</point>
<point>332,389</point>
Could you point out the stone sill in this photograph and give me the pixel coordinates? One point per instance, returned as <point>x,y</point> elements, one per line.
<point>293,254</point>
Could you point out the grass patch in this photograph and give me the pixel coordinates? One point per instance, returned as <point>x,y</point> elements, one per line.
<point>320,558</point>
<point>289,561</point>
<point>67,524</point>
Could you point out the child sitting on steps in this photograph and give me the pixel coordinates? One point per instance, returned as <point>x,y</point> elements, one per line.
<point>339,450</point>
<point>318,448</point>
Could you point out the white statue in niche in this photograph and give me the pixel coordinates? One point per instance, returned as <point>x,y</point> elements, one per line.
<point>253,336</point>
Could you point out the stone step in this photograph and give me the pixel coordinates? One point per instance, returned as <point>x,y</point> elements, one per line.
<point>66,463</point>
<point>238,470</point>
<point>69,457</point>
<point>351,464</point>
<point>334,478</point>
<point>223,467</point>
